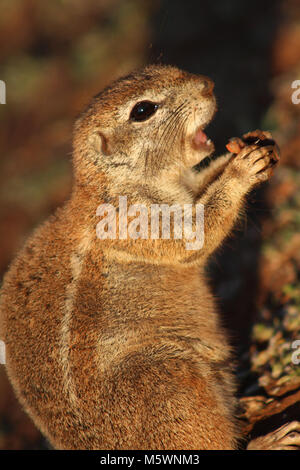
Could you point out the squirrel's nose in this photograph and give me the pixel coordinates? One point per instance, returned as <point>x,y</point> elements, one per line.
<point>208,86</point>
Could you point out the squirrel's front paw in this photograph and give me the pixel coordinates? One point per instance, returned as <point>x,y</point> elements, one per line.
<point>255,163</point>
<point>256,156</point>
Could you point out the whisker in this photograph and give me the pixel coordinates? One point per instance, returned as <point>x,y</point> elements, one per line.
<point>172,118</point>
<point>146,161</point>
<point>176,129</point>
<point>169,130</point>
<point>176,113</point>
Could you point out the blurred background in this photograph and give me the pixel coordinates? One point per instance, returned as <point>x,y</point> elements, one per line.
<point>56,55</point>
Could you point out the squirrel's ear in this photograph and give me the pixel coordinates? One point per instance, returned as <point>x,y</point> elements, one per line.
<point>100,143</point>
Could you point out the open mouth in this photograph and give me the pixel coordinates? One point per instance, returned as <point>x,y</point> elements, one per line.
<point>201,141</point>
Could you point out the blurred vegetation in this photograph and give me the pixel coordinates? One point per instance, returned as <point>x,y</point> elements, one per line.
<point>55,55</point>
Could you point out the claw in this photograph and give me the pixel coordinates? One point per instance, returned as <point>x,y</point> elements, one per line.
<point>258,138</point>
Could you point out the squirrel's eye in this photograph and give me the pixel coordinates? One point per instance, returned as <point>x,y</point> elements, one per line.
<point>143,110</point>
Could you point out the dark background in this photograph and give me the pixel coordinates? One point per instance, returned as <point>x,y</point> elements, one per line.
<point>55,55</point>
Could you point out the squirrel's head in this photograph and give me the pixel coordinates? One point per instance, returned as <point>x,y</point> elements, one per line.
<point>146,123</point>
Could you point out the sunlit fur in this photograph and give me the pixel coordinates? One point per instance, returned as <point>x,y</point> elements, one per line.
<point>117,344</point>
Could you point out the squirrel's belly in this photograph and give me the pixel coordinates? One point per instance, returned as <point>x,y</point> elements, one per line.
<point>74,328</point>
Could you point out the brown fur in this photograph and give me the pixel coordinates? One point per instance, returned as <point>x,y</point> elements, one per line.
<point>117,344</point>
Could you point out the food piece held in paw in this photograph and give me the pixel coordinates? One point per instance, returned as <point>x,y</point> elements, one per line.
<point>235,145</point>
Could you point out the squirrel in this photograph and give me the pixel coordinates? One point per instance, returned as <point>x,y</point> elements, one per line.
<point>116,342</point>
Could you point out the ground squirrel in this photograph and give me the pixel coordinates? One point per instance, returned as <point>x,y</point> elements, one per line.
<point>116,343</point>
